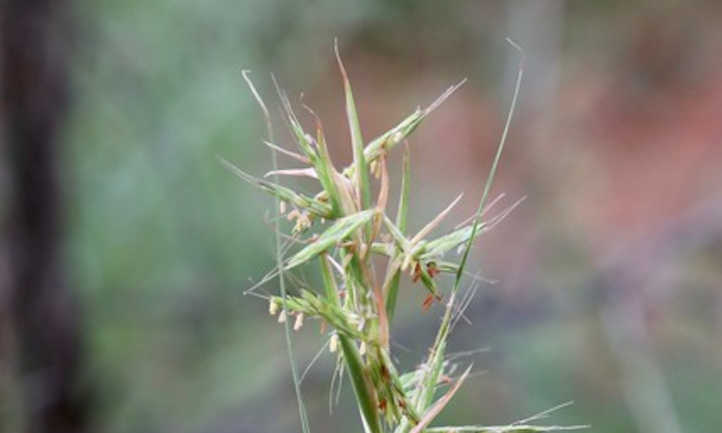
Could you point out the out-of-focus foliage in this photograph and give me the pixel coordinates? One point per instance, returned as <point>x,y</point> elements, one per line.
<point>609,289</point>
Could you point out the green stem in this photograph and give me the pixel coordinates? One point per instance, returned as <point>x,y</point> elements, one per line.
<point>279,264</point>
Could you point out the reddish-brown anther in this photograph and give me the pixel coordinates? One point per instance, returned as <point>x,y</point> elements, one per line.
<point>428,302</point>
<point>382,405</point>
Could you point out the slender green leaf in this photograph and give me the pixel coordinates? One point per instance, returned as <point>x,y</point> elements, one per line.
<point>393,136</point>
<point>440,404</point>
<point>327,172</point>
<point>329,282</point>
<point>392,293</point>
<point>440,246</point>
<point>360,163</point>
<point>365,395</point>
<point>399,238</point>
<point>281,192</point>
<point>427,386</point>
<point>401,215</point>
<point>400,132</point>
<point>302,139</point>
<point>403,210</point>
<point>279,263</point>
<point>340,230</point>
<point>286,152</point>
<point>494,164</point>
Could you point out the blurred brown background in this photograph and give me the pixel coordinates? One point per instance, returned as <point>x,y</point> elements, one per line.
<point>126,247</point>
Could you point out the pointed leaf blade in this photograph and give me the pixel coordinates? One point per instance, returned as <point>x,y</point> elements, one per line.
<point>365,395</point>
<point>360,163</point>
<point>340,230</point>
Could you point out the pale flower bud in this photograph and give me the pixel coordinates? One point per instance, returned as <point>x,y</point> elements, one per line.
<point>282,317</point>
<point>272,307</point>
<point>299,322</point>
<point>333,344</point>
<point>293,215</point>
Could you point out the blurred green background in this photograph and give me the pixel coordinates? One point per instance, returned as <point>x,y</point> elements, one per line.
<point>609,275</point>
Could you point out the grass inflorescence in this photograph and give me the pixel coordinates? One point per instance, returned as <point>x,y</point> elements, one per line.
<point>356,302</point>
